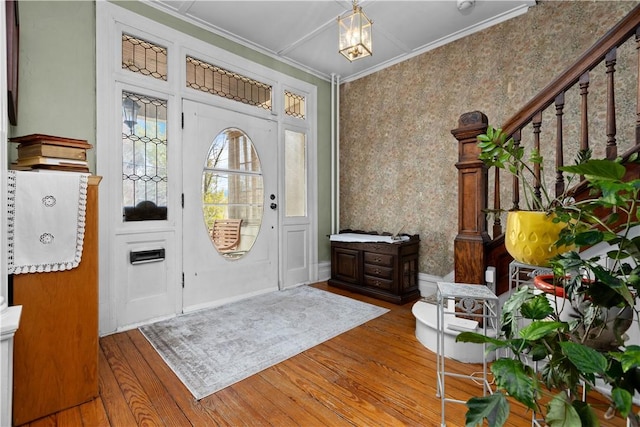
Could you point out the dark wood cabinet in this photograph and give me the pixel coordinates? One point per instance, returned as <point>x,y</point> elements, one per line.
<point>388,271</point>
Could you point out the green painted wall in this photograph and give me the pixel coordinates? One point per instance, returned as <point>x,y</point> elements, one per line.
<point>57,81</point>
<point>57,76</point>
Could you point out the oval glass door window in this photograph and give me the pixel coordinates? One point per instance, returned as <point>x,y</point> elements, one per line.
<point>232,193</point>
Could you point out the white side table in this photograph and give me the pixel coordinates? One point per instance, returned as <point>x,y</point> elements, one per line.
<point>475,302</point>
<point>517,270</point>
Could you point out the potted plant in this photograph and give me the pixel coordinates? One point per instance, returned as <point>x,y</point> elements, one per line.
<point>605,324</point>
<point>530,233</point>
<point>534,331</point>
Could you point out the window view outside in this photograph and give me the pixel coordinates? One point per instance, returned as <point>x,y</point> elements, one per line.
<point>232,193</point>
<point>144,157</point>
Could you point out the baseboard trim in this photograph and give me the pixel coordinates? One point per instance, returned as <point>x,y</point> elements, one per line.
<point>324,271</point>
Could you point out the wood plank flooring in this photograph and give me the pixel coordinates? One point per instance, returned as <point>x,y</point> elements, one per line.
<point>377,374</point>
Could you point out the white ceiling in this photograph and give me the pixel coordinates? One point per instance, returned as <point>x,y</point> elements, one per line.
<point>304,33</point>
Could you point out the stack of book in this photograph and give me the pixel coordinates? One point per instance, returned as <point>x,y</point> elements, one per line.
<point>38,151</point>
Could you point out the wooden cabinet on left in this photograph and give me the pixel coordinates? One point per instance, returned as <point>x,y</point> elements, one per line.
<point>56,346</point>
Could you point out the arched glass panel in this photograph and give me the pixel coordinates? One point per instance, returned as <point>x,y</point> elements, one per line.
<point>232,193</point>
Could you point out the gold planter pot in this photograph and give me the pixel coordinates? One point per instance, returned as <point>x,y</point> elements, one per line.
<point>530,237</point>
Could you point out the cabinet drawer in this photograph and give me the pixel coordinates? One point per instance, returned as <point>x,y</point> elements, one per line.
<point>377,282</point>
<point>382,248</point>
<point>378,271</point>
<point>379,259</point>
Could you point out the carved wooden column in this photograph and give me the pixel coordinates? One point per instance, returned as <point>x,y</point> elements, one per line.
<point>469,244</point>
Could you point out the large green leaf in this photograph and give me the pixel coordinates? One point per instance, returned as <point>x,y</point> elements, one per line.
<point>600,169</point>
<point>511,375</point>
<point>537,308</point>
<point>517,298</point>
<point>511,309</point>
<point>586,359</point>
<point>630,358</point>
<point>539,329</point>
<point>623,400</point>
<point>560,412</point>
<point>567,261</point>
<point>494,408</point>
<point>474,337</point>
<point>589,238</point>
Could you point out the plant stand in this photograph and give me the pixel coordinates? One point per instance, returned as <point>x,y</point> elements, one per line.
<point>475,302</point>
<point>518,271</point>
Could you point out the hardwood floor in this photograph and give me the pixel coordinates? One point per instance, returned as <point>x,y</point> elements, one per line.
<point>377,374</point>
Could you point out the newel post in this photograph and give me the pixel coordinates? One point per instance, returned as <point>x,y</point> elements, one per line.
<point>469,244</point>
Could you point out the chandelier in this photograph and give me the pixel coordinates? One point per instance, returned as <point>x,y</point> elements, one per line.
<point>354,34</point>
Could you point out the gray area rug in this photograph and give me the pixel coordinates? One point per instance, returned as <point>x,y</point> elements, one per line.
<point>214,348</point>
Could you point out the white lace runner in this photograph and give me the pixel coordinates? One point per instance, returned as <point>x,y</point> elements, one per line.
<point>45,220</point>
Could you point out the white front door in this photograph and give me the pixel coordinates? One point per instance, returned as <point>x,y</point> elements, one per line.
<point>230,174</point>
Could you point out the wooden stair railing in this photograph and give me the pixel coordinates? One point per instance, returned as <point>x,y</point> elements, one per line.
<point>474,248</point>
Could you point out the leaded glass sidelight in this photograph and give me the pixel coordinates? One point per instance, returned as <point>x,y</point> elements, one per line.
<point>232,193</point>
<point>144,157</point>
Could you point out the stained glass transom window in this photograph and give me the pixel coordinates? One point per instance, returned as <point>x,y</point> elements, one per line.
<point>294,105</point>
<point>144,157</point>
<point>141,56</point>
<point>227,84</point>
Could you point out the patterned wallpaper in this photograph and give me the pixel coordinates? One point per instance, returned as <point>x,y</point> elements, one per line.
<point>397,154</point>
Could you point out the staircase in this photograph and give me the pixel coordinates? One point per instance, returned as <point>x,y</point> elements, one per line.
<point>582,99</point>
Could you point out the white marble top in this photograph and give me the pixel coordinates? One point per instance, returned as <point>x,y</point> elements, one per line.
<point>366,238</point>
<point>465,290</point>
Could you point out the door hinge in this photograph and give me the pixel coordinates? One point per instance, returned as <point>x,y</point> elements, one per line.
<point>183,280</point>
<point>182,200</point>
<point>182,121</point>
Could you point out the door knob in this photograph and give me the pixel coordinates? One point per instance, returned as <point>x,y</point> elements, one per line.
<point>273,206</point>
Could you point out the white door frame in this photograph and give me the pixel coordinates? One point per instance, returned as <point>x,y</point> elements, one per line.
<point>111,20</point>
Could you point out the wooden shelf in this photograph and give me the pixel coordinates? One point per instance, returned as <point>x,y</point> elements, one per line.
<point>56,346</point>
